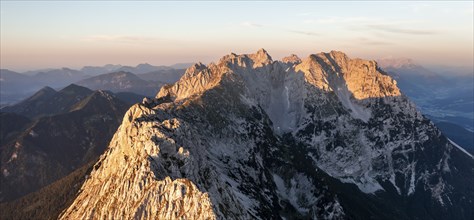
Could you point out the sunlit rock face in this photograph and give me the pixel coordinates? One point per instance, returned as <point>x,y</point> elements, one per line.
<point>125,182</point>
<point>252,138</point>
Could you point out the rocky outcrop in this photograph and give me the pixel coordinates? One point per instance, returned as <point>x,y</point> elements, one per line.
<point>124,181</point>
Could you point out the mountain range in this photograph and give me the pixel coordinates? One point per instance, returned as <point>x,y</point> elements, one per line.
<point>52,133</point>
<point>247,137</point>
<point>122,82</point>
<point>139,69</point>
<point>17,86</point>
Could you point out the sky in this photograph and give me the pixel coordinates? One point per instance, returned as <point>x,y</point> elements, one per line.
<point>51,34</point>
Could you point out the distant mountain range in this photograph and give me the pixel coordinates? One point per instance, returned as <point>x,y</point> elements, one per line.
<point>169,76</point>
<point>139,69</point>
<point>418,81</point>
<point>48,101</point>
<point>122,82</point>
<point>17,86</point>
<point>52,133</point>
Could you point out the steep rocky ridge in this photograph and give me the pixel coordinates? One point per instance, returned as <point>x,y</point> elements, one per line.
<point>324,137</point>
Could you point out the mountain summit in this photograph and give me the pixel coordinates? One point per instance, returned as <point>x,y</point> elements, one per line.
<point>323,137</point>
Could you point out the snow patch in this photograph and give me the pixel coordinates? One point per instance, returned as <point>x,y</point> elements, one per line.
<point>280,184</point>
<point>392,180</point>
<point>411,190</point>
<point>297,193</point>
<point>437,191</point>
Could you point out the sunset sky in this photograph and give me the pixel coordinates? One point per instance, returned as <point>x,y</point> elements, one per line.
<point>41,34</point>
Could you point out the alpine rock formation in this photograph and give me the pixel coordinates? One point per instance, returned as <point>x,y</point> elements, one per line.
<point>251,138</point>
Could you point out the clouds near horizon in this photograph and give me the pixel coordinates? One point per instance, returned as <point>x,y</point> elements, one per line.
<point>48,34</point>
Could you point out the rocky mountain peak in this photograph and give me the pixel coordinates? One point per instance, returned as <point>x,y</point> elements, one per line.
<point>255,60</point>
<point>294,59</point>
<point>362,78</point>
<point>75,89</point>
<point>338,56</point>
<point>353,80</point>
<point>195,69</point>
<point>261,57</point>
<point>42,94</point>
<point>45,91</point>
<point>144,65</point>
<point>250,138</point>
